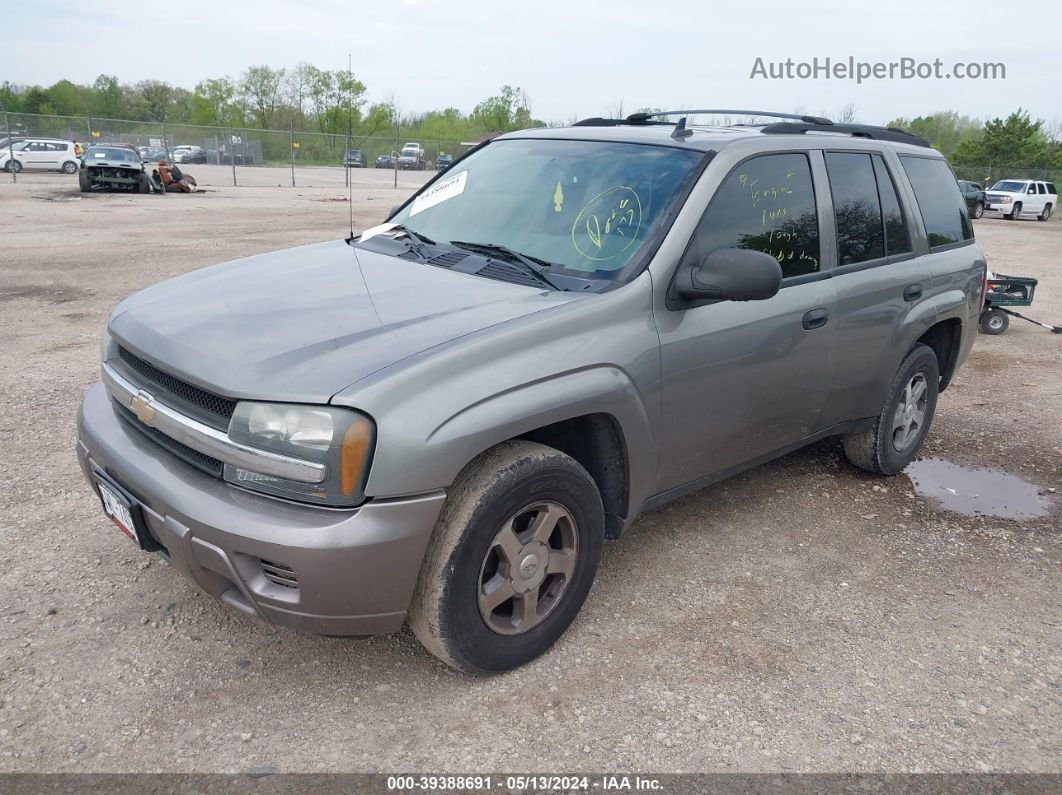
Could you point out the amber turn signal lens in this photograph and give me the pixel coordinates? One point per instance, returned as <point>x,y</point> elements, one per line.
<point>352,455</point>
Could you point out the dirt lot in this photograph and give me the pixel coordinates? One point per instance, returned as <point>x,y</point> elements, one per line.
<point>803,616</point>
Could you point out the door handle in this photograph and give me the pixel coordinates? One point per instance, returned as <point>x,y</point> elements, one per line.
<point>815,318</point>
<point>912,292</point>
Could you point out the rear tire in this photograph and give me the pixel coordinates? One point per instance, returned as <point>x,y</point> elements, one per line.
<point>69,167</point>
<point>1045,214</point>
<point>979,210</point>
<point>511,560</point>
<point>901,427</point>
<point>993,321</point>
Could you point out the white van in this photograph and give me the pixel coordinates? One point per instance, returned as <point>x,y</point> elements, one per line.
<point>40,154</point>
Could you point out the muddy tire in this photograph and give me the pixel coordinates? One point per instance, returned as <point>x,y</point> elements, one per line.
<point>511,560</point>
<point>901,427</point>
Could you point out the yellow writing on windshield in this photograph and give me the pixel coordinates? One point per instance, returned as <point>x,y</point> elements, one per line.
<point>558,198</point>
<point>608,224</point>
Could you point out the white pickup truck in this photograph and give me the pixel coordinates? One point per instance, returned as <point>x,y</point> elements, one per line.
<point>1016,197</point>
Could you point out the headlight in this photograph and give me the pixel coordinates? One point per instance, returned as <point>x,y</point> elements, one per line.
<point>1006,200</point>
<point>341,439</point>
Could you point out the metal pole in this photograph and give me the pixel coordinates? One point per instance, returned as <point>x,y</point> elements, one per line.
<point>88,123</point>
<point>10,148</point>
<point>394,154</point>
<point>232,156</point>
<point>291,148</point>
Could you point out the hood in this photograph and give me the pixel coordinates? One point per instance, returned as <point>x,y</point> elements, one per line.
<point>301,324</point>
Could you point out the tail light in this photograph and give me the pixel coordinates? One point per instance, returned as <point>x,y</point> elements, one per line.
<point>984,288</point>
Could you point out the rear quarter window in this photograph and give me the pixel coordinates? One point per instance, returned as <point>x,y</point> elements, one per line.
<point>939,200</point>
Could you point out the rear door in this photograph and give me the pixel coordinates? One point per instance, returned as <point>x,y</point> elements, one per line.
<point>744,379</point>
<point>878,279</point>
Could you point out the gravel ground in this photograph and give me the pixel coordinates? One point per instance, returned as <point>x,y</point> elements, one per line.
<point>803,616</point>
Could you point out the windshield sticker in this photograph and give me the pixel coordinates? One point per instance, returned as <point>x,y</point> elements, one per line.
<point>558,198</point>
<point>608,224</point>
<point>449,188</point>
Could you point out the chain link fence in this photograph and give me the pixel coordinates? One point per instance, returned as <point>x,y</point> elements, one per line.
<point>247,152</point>
<point>253,157</point>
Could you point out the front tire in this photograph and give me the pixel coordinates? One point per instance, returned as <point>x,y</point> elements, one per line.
<point>13,166</point>
<point>511,560</point>
<point>901,427</point>
<point>978,210</point>
<point>1015,214</point>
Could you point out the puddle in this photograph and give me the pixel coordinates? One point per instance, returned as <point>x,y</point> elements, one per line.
<point>975,492</point>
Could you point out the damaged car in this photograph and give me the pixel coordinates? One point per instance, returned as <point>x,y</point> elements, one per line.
<point>113,167</point>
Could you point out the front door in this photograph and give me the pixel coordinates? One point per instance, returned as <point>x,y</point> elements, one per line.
<point>744,379</point>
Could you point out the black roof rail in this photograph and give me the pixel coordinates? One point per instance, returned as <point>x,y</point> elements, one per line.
<point>644,117</point>
<point>597,121</point>
<point>856,130</point>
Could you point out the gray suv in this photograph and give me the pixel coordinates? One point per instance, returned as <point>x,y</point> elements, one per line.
<point>441,420</point>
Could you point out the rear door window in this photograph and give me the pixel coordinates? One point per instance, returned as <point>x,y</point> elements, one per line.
<point>856,207</point>
<point>1051,189</point>
<point>766,204</point>
<point>939,200</point>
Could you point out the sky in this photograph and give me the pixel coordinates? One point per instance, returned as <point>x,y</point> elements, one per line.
<point>574,59</point>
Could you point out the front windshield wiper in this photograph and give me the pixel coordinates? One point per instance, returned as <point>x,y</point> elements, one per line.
<point>533,265</point>
<point>414,242</point>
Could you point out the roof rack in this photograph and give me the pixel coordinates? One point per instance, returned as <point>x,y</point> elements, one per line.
<point>637,118</point>
<point>856,130</point>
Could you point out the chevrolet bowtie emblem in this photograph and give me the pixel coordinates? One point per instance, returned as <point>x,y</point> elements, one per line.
<point>141,405</point>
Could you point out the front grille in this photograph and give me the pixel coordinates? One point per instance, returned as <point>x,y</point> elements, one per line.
<point>279,574</point>
<point>214,409</point>
<point>206,463</point>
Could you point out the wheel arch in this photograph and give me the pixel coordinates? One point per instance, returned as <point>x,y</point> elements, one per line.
<point>597,442</point>
<point>945,338</point>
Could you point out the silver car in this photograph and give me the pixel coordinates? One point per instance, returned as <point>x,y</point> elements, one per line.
<point>441,420</point>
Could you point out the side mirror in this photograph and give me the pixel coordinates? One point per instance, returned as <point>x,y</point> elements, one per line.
<point>731,274</point>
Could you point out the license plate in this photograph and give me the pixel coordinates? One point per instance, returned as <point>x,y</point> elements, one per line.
<point>123,510</point>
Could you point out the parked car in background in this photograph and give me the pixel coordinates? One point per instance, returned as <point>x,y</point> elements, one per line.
<point>1017,197</point>
<point>411,158</point>
<point>450,437</point>
<point>353,159</point>
<point>189,154</point>
<point>974,195</point>
<point>385,161</point>
<point>113,167</point>
<point>40,154</point>
<point>443,162</point>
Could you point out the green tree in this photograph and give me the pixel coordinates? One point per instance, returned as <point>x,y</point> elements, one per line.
<point>215,102</point>
<point>508,110</point>
<point>155,97</point>
<point>106,98</point>
<point>1014,142</point>
<point>944,130</point>
<point>261,88</point>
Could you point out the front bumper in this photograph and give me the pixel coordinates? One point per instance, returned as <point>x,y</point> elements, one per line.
<point>355,570</point>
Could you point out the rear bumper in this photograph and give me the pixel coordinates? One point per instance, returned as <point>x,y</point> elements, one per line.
<point>355,570</point>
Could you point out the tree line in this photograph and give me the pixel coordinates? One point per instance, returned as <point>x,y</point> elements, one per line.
<point>304,98</point>
<point>1017,141</point>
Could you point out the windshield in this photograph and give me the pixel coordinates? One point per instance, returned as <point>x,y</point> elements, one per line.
<point>17,147</point>
<point>110,153</point>
<point>1009,187</point>
<point>587,207</point>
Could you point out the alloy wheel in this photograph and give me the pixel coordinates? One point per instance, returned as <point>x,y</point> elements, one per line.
<point>528,567</point>
<point>910,415</point>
